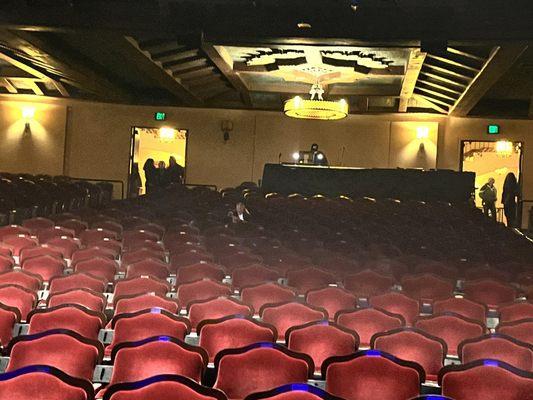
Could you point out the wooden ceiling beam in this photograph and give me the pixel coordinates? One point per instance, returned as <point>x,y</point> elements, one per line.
<point>447,60</point>
<point>499,62</point>
<point>448,72</point>
<point>228,71</point>
<point>54,58</point>
<point>173,84</point>
<point>414,66</point>
<point>428,102</point>
<point>440,87</point>
<point>4,82</point>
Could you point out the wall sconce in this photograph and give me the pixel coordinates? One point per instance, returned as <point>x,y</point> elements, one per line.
<point>167,134</point>
<point>28,114</point>
<point>227,127</point>
<point>422,132</point>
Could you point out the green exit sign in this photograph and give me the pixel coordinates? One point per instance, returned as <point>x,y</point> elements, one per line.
<point>493,129</point>
<point>160,116</point>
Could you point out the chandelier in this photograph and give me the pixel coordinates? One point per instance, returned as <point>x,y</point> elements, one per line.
<point>316,107</point>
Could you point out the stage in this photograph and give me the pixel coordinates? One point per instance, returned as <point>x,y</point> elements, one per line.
<point>403,184</point>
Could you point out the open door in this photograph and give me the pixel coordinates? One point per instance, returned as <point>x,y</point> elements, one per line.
<point>159,144</point>
<point>492,159</point>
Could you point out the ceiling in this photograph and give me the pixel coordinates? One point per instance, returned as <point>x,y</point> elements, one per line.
<point>459,57</point>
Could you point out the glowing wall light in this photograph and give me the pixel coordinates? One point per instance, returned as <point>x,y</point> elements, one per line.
<point>422,132</point>
<point>167,134</point>
<point>28,113</point>
<point>504,148</point>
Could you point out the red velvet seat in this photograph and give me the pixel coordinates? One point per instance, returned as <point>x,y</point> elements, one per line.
<point>321,340</point>
<point>89,236</point>
<point>8,317</point>
<point>168,387</point>
<point>259,295</point>
<point>467,308</point>
<point>370,375</point>
<point>18,297</point>
<point>66,245</point>
<point>294,391</point>
<point>91,253</point>
<point>34,225</point>
<point>11,230</point>
<point>233,332</point>
<point>46,266</point>
<point>486,380</point>
<point>133,303</point>
<point>43,250</point>
<point>250,369</point>
<point>77,280</point>
<point>288,314</point>
<point>134,256</point>
<point>332,299</point>
<point>201,290</point>
<point>189,258</point>
<point>450,327</point>
<point>150,266</point>
<point>369,321</point>
<point>219,307</point>
<point>111,246</point>
<point>100,267</point>
<point>397,303</point>
<point>253,275</point>
<point>167,355</point>
<point>140,285</point>
<point>16,243</point>
<point>497,347</point>
<point>21,278</point>
<point>74,225</point>
<point>6,263</point>
<point>156,247</point>
<point>516,311</point>
<point>490,292</point>
<point>50,348</point>
<point>521,330</point>
<point>240,259</point>
<point>43,382</point>
<point>132,327</point>
<point>368,283</point>
<point>427,287</point>
<point>414,345</point>
<point>109,225</point>
<point>72,317</point>
<point>202,270</point>
<point>309,278</point>
<point>4,251</point>
<point>84,297</point>
<point>151,227</point>
<point>130,237</point>
<point>48,234</point>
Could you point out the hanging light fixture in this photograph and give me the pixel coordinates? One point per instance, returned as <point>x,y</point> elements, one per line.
<point>316,107</point>
<point>504,148</point>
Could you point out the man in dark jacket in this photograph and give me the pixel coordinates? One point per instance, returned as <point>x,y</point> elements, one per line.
<point>488,194</point>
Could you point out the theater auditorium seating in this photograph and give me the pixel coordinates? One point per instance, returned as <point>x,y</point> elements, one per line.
<point>157,297</point>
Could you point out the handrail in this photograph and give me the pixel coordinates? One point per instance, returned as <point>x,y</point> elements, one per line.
<point>102,180</point>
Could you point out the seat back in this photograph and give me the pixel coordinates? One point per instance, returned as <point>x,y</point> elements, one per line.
<point>516,311</point>
<point>321,340</point>
<point>332,299</point>
<point>369,321</point>
<point>201,290</point>
<point>485,380</point>
<point>259,367</point>
<point>233,332</point>
<point>77,280</point>
<point>397,303</point>
<point>133,303</point>
<point>521,330</point>
<point>259,295</point>
<point>465,307</point>
<point>370,375</point>
<point>288,314</point>
<point>497,347</point>
<point>216,308</point>
<point>490,292</point>
<point>414,345</point>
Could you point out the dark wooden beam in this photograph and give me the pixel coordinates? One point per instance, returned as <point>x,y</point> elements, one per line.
<point>414,66</point>
<point>499,62</point>
<point>173,84</point>
<point>227,70</point>
<point>51,58</point>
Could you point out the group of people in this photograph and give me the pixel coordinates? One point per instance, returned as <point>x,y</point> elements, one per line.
<point>156,178</point>
<point>489,196</point>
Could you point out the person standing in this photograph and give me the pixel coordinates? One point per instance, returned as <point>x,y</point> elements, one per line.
<point>135,181</point>
<point>509,199</point>
<point>175,171</point>
<point>489,195</point>
<point>150,176</point>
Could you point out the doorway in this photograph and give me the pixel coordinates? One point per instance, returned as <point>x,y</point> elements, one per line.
<point>492,159</point>
<point>159,144</point>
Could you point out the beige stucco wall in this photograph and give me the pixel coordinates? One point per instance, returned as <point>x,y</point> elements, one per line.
<point>97,141</point>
